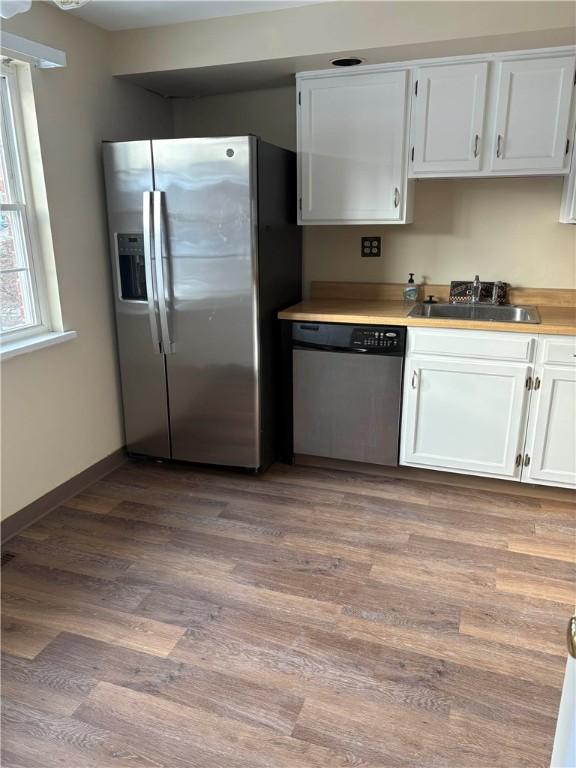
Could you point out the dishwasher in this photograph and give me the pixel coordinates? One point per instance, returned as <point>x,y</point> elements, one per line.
<point>347,391</point>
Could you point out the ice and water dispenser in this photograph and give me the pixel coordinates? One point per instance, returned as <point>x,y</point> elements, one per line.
<point>131,267</point>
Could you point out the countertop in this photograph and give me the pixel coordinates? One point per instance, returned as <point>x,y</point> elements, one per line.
<point>555,320</point>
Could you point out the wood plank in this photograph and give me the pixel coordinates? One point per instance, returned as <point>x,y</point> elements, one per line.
<point>514,629</point>
<point>190,685</point>
<point>536,586</point>
<point>48,686</point>
<point>75,588</point>
<point>112,626</point>
<point>67,742</point>
<point>557,549</point>
<point>63,556</point>
<point>90,502</point>
<point>24,638</point>
<point>183,730</point>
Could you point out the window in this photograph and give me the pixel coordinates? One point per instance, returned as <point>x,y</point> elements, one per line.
<point>23,310</point>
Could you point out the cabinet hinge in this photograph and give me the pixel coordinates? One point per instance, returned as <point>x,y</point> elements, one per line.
<point>416,88</point>
<point>299,98</point>
<point>567,146</point>
<point>529,383</point>
<point>519,460</point>
<point>526,460</point>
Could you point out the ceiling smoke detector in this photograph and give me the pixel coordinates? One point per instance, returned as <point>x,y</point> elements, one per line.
<point>346,61</point>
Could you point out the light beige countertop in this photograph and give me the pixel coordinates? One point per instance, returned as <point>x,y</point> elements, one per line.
<point>555,320</point>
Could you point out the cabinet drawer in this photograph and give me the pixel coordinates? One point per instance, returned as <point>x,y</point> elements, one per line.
<point>483,345</point>
<point>560,350</point>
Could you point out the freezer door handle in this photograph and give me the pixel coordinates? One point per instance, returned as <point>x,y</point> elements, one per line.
<point>149,272</point>
<point>162,267</point>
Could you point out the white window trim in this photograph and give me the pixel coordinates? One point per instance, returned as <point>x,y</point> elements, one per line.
<point>49,329</point>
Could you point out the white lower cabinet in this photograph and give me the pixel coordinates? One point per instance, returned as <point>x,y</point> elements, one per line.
<point>495,414</point>
<point>550,456</point>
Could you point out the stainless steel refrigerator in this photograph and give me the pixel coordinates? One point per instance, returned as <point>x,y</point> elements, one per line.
<point>205,250</point>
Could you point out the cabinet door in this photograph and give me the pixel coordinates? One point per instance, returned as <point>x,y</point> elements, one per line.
<point>465,416</point>
<point>449,117</point>
<point>352,148</point>
<point>568,203</point>
<point>533,113</point>
<point>551,440</point>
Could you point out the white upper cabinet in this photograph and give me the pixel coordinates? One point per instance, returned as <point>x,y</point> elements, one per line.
<point>532,114</point>
<point>568,204</point>
<point>448,117</point>
<point>352,134</point>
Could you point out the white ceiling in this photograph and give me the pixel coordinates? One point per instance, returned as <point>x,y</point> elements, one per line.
<point>133,14</point>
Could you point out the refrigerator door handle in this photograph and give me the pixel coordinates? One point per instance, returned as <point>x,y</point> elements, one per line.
<point>160,248</point>
<point>148,271</point>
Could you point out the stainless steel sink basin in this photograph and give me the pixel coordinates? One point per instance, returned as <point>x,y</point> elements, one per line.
<point>505,313</point>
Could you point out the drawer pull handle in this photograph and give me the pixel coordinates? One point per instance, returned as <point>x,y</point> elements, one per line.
<point>526,460</point>
<point>499,146</point>
<point>537,383</point>
<point>519,460</point>
<point>396,197</point>
<point>476,140</point>
<point>414,381</point>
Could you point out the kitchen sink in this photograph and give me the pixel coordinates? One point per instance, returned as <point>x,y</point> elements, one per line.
<point>499,313</point>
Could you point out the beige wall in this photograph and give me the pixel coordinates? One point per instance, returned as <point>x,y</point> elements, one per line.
<point>505,229</point>
<point>270,114</point>
<point>333,27</point>
<point>61,408</point>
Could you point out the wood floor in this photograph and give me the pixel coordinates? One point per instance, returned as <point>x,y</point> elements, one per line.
<point>174,617</point>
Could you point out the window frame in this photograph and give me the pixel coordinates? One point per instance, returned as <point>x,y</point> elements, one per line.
<point>18,168</point>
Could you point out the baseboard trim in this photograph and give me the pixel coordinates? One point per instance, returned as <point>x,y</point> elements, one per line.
<point>20,520</point>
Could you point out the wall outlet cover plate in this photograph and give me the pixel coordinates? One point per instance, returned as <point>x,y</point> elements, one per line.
<point>371,246</point>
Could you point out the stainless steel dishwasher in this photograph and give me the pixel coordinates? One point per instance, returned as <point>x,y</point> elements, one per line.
<point>347,390</point>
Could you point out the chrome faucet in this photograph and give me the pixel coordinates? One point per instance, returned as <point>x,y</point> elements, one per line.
<point>476,289</point>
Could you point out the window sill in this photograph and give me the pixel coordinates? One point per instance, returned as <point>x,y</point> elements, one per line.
<point>22,346</point>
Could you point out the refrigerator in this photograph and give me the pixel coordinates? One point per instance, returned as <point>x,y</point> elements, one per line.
<point>205,251</point>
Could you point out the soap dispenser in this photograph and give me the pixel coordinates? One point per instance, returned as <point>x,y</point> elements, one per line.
<point>411,289</point>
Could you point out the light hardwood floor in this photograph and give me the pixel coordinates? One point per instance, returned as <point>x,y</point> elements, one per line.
<point>176,617</point>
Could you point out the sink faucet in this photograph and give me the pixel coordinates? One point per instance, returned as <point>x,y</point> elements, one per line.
<point>476,289</point>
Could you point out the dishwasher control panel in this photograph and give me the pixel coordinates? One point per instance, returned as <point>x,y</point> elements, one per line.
<point>371,339</point>
<point>375,339</point>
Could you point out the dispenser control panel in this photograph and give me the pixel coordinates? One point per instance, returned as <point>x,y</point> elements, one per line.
<point>131,267</point>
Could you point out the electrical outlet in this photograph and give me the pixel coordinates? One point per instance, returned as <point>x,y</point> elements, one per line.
<point>370,246</point>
